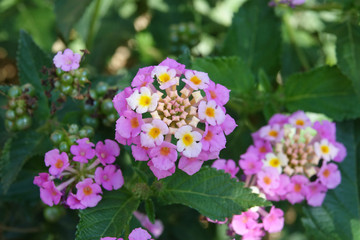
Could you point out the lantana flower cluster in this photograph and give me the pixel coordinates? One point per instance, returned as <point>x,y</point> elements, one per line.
<point>75,179</point>
<point>255,222</point>
<point>293,159</point>
<point>170,111</point>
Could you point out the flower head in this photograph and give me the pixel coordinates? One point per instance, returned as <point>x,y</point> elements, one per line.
<point>301,152</point>
<point>67,61</point>
<point>169,103</point>
<point>76,178</point>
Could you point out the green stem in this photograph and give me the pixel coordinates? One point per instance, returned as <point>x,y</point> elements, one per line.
<point>302,58</point>
<point>319,8</point>
<point>94,17</point>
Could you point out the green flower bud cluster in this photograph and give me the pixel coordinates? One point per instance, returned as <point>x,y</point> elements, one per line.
<point>63,139</point>
<point>100,106</point>
<point>22,103</point>
<point>70,83</point>
<point>183,35</point>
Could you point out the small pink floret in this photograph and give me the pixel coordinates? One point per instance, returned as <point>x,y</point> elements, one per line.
<point>107,152</point>
<point>83,151</point>
<point>109,177</point>
<point>67,61</point>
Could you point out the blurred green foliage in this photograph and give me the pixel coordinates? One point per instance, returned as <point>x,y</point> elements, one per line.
<point>273,59</point>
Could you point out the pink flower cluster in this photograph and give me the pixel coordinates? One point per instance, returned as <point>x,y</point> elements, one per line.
<point>292,159</point>
<point>161,121</point>
<point>136,234</point>
<point>253,223</point>
<point>67,61</point>
<point>80,170</point>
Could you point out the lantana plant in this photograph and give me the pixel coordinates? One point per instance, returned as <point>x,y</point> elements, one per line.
<point>171,111</point>
<point>294,159</point>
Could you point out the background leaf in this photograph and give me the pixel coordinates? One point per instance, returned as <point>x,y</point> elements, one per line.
<point>324,90</point>
<point>213,193</point>
<point>16,152</point>
<point>231,72</point>
<point>109,218</point>
<point>348,51</point>
<point>30,60</point>
<point>68,12</point>
<point>339,216</point>
<point>255,36</point>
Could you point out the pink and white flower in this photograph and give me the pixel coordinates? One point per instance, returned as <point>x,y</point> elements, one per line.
<point>166,76</point>
<point>196,80</point>
<point>326,150</point>
<point>143,101</point>
<point>188,141</point>
<point>210,112</point>
<point>153,133</point>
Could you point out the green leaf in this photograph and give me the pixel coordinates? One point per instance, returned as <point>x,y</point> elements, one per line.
<point>68,12</point>
<point>16,152</point>
<point>348,51</point>
<point>30,60</point>
<point>150,210</point>
<point>109,218</point>
<point>339,216</point>
<point>211,192</point>
<point>231,72</point>
<point>255,36</point>
<point>324,90</point>
<point>113,32</point>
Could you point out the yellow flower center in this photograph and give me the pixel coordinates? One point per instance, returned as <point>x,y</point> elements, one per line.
<point>274,162</point>
<point>300,122</point>
<point>195,80</point>
<point>325,149</point>
<point>103,155</point>
<point>145,101</point>
<point>165,77</point>
<point>87,190</point>
<point>273,133</point>
<point>210,112</point>
<point>154,132</point>
<point>187,139</point>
